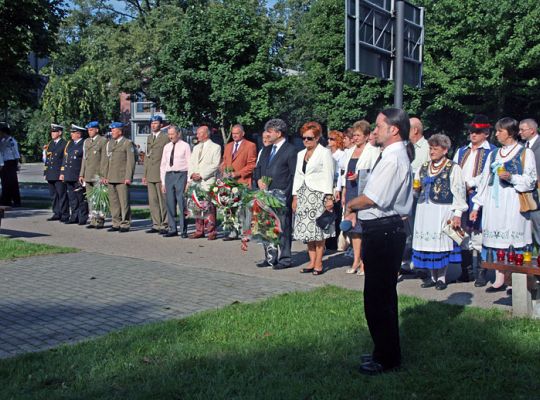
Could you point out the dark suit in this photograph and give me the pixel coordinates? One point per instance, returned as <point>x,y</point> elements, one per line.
<point>535,215</point>
<point>54,154</point>
<point>71,169</point>
<point>281,169</point>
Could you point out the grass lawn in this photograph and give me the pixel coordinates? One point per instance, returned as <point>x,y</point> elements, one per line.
<point>295,346</point>
<point>13,248</point>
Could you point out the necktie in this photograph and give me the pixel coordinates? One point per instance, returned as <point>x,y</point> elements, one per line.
<point>528,144</point>
<point>171,160</point>
<point>377,161</point>
<point>201,152</point>
<point>272,153</point>
<point>235,150</point>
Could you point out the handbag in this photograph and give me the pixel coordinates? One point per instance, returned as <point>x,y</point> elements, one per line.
<point>458,235</point>
<point>527,202</point>
<point>342,242</point>
<point>326,219</point>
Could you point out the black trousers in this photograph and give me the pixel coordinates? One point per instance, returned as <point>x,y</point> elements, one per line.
<point>11,196</point>
<point>60,206</point>
<point>383,241</point>
<point>77,202</point>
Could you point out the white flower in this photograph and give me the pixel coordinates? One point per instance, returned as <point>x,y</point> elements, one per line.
<point>235,190</point>
<point>215,189</point>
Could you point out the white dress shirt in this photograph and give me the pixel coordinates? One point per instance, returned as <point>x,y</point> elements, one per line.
<point>389,185</point>
<point>467,170</point>
<point>421,154</point>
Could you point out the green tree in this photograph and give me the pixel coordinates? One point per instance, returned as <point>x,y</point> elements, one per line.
<point>26,26</point>
<point>218,65</point>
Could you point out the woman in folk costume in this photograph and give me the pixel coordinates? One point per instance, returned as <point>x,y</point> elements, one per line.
<point>510,170</point>
<point>442,197</point>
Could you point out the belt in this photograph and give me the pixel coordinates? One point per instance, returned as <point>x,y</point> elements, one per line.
<point>380,224</point>
<point>175,172</point>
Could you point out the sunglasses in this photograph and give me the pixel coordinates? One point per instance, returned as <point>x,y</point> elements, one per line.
<point>308,138</point>
<point>331,138</point>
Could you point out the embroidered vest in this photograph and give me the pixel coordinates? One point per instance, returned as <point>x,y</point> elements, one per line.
<point>437,187</point>
<point>481,157</point>
<point>514,166</point>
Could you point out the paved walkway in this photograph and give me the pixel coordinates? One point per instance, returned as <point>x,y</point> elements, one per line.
<point>50,300</point>
<point>132,278</point>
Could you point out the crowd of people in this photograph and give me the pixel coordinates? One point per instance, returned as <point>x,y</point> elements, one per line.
<point>387,192</point>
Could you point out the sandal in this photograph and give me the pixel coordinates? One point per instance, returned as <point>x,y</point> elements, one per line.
<point>307,270</point>
<point>318,272</point>
<point>351,270</point>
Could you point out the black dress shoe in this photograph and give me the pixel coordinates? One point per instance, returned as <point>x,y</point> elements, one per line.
<point>280,266</point>
<point>263,264</point>
<point>428,283</point>
<point>53,218</point>
<point>481,279</point>
<point>91,226</point>
<point>124,230</point>
<point>70,222</point>
<point>82,223</point>
<point>440,285</point>
<point>184,235</point>
<point>170,234</point>
<point>374,368</point>
<point>365,358</point>
<point>228,238</point>
<point>509,292</point>
<point>493,289</point>
<point>152,231</point>
<point>113,229</point>
<point>163,231</point>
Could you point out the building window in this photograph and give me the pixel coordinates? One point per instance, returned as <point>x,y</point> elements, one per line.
<point>142,128</point>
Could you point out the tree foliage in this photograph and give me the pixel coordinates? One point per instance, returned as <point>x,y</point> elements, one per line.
<point>25,26</point>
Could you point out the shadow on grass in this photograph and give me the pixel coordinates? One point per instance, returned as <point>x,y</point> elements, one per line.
<point>295,346</point>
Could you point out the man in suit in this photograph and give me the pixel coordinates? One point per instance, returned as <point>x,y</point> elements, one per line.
<point>70,172</point>
<point>528,130</point>
<point>54,154</point>
<point>118,171</point>
<point>93,156</point>
<point>203,166</point>
<point>239,161</point>
<point>152,160</point>
<point>9,149</point>
<point>278,162</point>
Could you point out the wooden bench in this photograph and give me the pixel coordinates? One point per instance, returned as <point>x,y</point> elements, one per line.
<point>524,303</point>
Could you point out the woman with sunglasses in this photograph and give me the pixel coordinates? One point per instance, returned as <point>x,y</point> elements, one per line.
<point>359,163</point>
<point>312,195</point>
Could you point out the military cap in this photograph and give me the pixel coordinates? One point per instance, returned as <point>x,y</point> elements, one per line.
<point>116,125</point>
<point>56,127</point>
<point>76,128</point>
<point>92,124</point>
<point>156,118</point>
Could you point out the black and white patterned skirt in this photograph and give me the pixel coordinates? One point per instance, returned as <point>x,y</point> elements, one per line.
<point>309,207</point>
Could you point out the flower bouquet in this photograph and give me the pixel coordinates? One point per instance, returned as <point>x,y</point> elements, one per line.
<point>98,199</point>
<point>227,195</point>
<point>261,221</point>
<point>197,201</point>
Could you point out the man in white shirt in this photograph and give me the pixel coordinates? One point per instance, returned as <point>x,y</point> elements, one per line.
<point>387,198</point>
<point>528,130</point>
<point>472,158</point>
<point>9,150</point>
<point>421,146</point>
<point>173,173</point>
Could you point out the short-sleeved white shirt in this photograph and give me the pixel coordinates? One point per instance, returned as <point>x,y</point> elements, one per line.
<point>389,185</point>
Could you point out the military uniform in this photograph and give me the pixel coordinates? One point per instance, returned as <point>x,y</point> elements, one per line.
<point>119,166</point>
<point>54,154</point>
<point>71,168</point>
<point>156,198</point>
<point>11,196</point>
<point>91,169</point>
